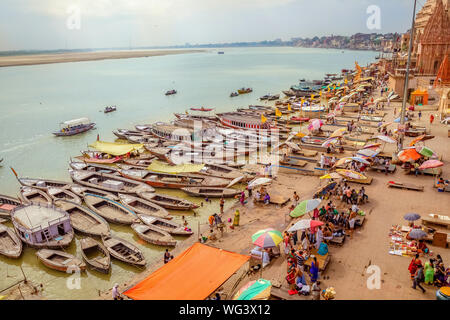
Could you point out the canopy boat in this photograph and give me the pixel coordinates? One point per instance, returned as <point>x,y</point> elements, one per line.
<point>124,251</point>
<point>77,165</point>
<point>170,92</point>
<point>245,90</point>
<point>165,225</point>
<point>172,181</point>
<point>239,121</point>
<point>90,157</point>
<point>10,244</point>
<point>42,226</point>
<point>153,235</point>
<point>32,195</point>
<point>211,192</point>
<point>80,191</point>
<point>95,254</point>
<point>76,126</point>
<point>140,206</point>
<point>168,202</point>
<point>110,210</point>
<point>60,260</point>
<point>110,109</point>
<point>6,205</point>
<point>59,193</point>
<point>84,220</point>
<point>165,131</point>
<point>203,109</point>
<point>107,182</point>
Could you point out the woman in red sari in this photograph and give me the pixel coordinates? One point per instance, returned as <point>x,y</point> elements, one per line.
<point>413,265</point>
<point>290,278</point>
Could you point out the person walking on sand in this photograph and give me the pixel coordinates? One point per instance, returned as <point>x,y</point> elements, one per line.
<point>242,198</point>
<point>115,292</point>
<point>222,203</point>
<point>431,119</point>
<point>236,218</point>
<point>413,266</point>
<point>287,243</point>
<point>420,114</point>
<point>419,278</point>
<point>166,256</point>
<point>295,199</point>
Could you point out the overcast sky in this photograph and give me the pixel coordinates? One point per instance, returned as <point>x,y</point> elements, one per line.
<point>42,24</point>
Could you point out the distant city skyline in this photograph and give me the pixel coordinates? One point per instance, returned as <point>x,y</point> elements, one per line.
<point>79,24</point>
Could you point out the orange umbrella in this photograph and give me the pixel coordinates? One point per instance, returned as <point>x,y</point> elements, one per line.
<point>409,155</point>
<point>420,138</point>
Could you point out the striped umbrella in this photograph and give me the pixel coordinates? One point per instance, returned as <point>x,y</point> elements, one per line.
<point>342,161</point>
<point>332,175</point>
<point>267,238</point>
<point>305,224</point>
<point>359,159</point>
<point>254,290</point>
<point>367,153</point>
<point>431,164</point>
<point>351,174</point>
<point>304,207</point>
<point>386,139</point>
<point>330,141</point>
<point>315,124</point>
<point>425,151</point>
<point>338,132</point>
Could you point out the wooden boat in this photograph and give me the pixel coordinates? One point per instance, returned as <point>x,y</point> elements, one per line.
<point>211,192</point>
<point>168,202</point>
<point>58,193</point>
<point>10,244</point>
<point>144,139</point>
<point>244,90</point>
<point>60,260</point>
<point>166,225</point>
<point>194,116</point>
<point>7,204</point>
<point>124,133</point>
<point>95,254</point>
<point>171,181</point>
<point>89,157</point>
<point>80,191</point>
<point>110,109</point>
<point>109,209</point>
<point>170,92</point>
<point>143,127</point>
<point>77,165</point>
<point>140,206</point>
<point>84,220</point>
<point>41,184</point>
<point>108,182</point>
<point>73,127</point>
<point>153,235</point>
<point>139,163</point>
<point>33,195</point>
<point>124,251</point>
<point>42,226</point>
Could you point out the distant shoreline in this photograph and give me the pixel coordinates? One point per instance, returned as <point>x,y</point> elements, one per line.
<point>34,59</point>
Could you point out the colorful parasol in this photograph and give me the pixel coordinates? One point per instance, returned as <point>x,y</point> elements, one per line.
<point>315,124</point>
<point>342,161</point>
<point>426,152</point>
<point>367,153</point>
<point>259,182</point>
<point>411,216</point>
<point>386,139</point>
<point>305,224</point>
<point>359,159</point>
<point>254,290</point>
<point>338,132</point>
<point>408,155</point>
<point>267,238</point>
<point>332,175</point>
<point>420,138</point>
<point>304,207</point>
<point>351,174</point>
<point>371,146</point>
<point>417,234</point>
<point>429,164</point>
<point>386,124</point>
<point>330,141</point>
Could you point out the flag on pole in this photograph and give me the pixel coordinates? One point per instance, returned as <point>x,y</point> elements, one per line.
<point>345,81</point>
<point>263,119</point>
<point>320,93</point>
<point>312,96</point>
<point>278,112</point>
<point>289,107</point>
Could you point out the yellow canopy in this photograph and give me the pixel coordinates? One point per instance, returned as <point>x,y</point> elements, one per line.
<point>159,166</point>
<point>115,149</point>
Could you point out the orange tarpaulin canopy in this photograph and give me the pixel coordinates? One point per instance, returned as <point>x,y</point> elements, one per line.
<point>193,275</point>
<point>419,97</point>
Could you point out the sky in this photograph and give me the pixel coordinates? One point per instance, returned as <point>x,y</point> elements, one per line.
<point>76,24</point>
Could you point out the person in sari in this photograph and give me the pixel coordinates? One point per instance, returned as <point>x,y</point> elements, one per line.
<point>290,278</point>
<point>314,269</point>
<point>236,218</point>
<point>429,273</point>
<point>439,274</point>
<point>242,198</point>
<point>287,243</point>
<point>413,265</point>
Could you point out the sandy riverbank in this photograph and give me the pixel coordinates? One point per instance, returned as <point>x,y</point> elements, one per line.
<point>369,245</point>
<point>32,59</point>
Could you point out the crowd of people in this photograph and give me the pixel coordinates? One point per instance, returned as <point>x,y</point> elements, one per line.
<point>432,272</point>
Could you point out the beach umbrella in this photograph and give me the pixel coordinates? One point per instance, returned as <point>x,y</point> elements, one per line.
<point>305,224</point>
<point>367,153</point>
<point>330,141</point>
<point>304,207</point>
<point>395,96</point>
<point>426,152</point>
<point>254,290</point>
<point>417,234</point>
<point>315,124</point>
<point>267,238</point>
<point>371,146</point>
<point>332,175</point>
<point>411,216</point>
<point>359,159</point>
<point>386,139</point>
<point>398,120</point>
<point>259,182</point>
<point>407,155</point>
<point>331,115</point>
<point>338,132</point>
<point>351,174</point>
<point>429,164</point>
<point>380,99</point>
<point>342,161</point>
<point>420,138</point>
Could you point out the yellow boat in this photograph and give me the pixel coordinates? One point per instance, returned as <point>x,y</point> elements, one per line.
<point>245,90</point>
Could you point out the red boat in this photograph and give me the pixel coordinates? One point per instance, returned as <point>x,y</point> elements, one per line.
<point>299,119</point>
<point>202,109</point>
